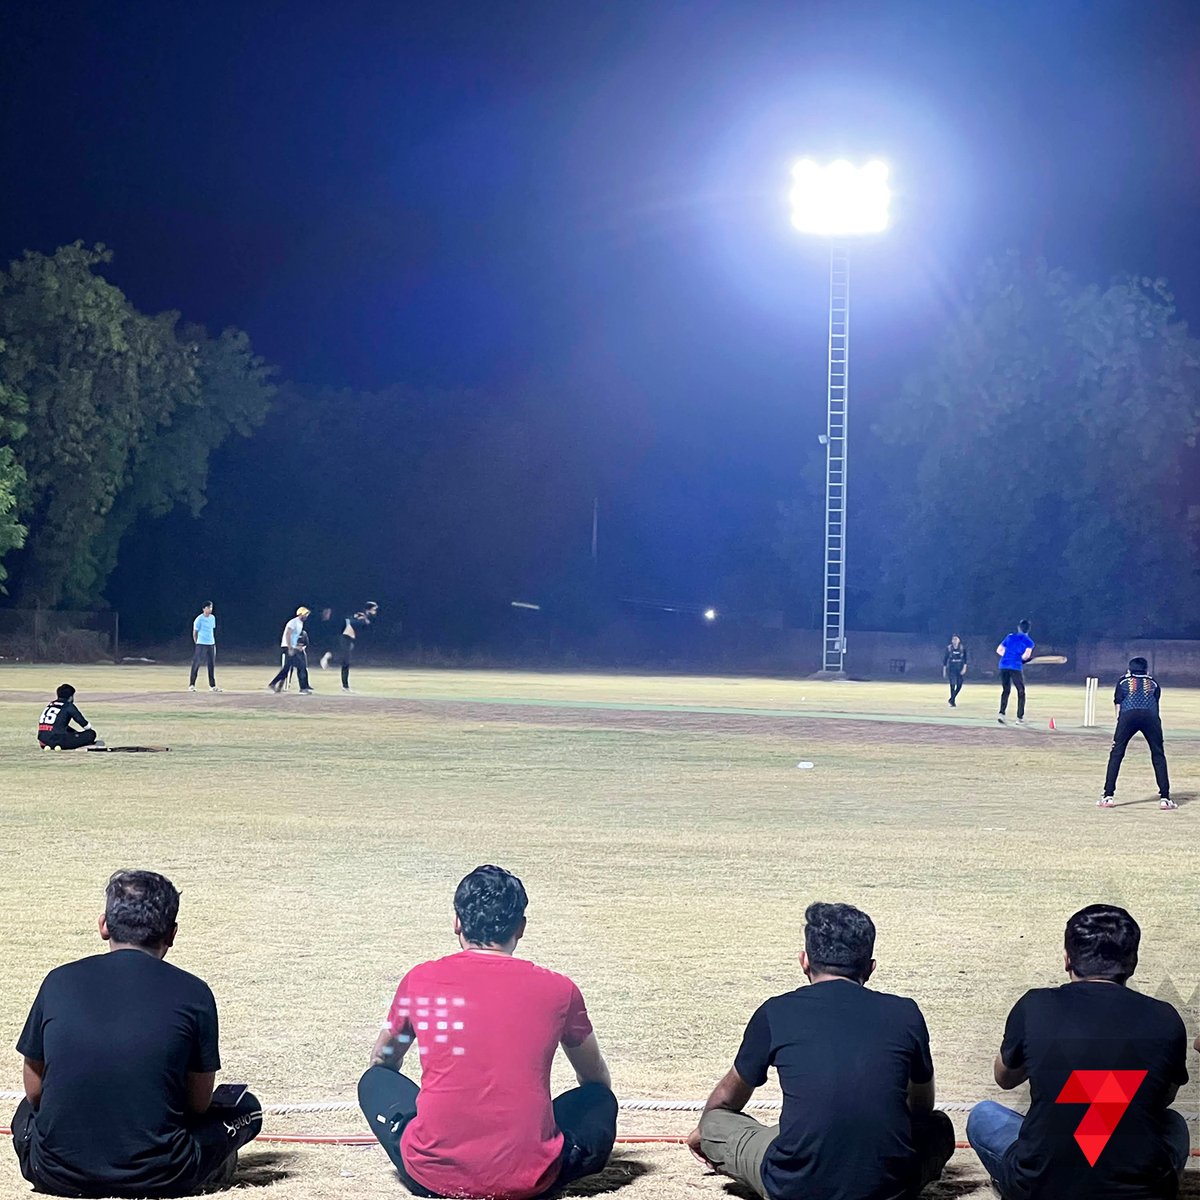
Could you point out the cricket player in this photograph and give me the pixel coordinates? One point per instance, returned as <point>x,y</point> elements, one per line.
<point>350,631</point>
<point>1136,698</point>
<point>1014,652</point>
<point>293,646</point>
<point>54,725</point>
<point>954,667</point>
<point>204,640</point>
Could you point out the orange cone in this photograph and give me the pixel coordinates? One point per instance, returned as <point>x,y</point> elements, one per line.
<point>1051,722</point>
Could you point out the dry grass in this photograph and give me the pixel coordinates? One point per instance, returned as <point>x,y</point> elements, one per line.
<point>667,839</point>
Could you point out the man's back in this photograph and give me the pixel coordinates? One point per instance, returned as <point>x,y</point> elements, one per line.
<point>845,1056</point>
<point>487,1027</point>
<point>1137,693</point>
<point>118,1033</point>
<point>1096,1027</point>
<point>1015,646</point>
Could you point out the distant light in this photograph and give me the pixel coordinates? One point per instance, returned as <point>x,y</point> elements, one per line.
<point>840,199</point>
<point>710,614</point>
<point>527,605</point>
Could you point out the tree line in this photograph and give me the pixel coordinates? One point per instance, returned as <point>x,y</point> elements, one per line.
<point>1042,461</point>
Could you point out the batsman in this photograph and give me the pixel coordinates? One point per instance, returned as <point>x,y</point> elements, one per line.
<point>1136,699</point>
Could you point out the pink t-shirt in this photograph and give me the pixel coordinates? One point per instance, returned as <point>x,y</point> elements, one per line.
<point>487,1027</point>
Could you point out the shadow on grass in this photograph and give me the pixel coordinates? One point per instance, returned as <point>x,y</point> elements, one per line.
<point>262,1168</point>
<point>619,1173</point>
<point>1189,1189</point>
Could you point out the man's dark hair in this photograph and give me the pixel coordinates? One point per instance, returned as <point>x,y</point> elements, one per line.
<point>490,904</point>
<point>1139,666</point>
<point>140,908</point>
<point>207,604</point>
<point>65,692</point>
<point>839,939</point>
<point>1102,943</point>
<point>1023,625</point>
<point>371,604</point>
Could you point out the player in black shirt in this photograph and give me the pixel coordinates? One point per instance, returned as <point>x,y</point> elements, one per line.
<point>349,639</point>
<point>954,667</point>
<point>54,725</point>
<point>120,1058</point>
<point>1093,1040</point>
<point>858,1121</point>
<point>1136,699</point>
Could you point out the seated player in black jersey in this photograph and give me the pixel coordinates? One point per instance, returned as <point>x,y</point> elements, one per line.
<point>54,725</point>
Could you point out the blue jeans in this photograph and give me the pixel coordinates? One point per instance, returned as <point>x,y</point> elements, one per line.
<point>992,1131</point>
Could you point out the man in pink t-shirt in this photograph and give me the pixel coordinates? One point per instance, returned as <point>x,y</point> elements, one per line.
<point>487,1026</point>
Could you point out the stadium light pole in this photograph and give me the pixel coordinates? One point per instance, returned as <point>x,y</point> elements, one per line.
<point>838,201</point>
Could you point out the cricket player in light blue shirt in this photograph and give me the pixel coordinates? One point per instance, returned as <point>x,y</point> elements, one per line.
<point>204,639</point>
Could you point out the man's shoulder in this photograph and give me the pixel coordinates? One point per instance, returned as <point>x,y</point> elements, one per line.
<point>466,963</point>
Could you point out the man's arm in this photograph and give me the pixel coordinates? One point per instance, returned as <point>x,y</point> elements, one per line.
<point>588,1062</point>
<point>1027,655</point>
<point>733,1094</point>
<point>195,635</point>
<point>200,1086</point>
<point>1000,649</point>
<point>33,1072</point>
<point>920,1096</point>
<point>390,1048</point>
<point>78,717</point>
<point>1008,1077</point>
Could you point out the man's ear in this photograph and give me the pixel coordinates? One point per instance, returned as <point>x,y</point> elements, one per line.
<point>805,965</point>
<point>103,926</point>
<point>457,926</point>
<point>1066,962</point>
<point>870,970</point>
<point>170,938</point>
<point>520,931</point>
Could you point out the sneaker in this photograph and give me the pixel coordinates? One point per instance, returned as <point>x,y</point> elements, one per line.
<point>306,691</point>
<point>1000,718</point>
<point>191,687</point>
<point>1105,802</point>
<point>214,689</point>
<point>1166,804</point>
<point>275,687</point>
<point>326,659</point>
<point>99,744</point>
<point>347,689</point>
<point>1020,720</point>
<point>950,702</point>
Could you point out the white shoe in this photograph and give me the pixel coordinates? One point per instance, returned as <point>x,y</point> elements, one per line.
<point>98,744</point>
<point>346,689</point>
<point>1166,805</point>
<point>306,691</point>
<point>214,689</point>
<point>1000,718</point>
<point>326,659</point>
<point>1105,802</point>
<point>191,687</point>
<point>1020,720</point>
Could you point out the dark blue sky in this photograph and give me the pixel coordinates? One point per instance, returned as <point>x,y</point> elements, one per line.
<point>588,198</point>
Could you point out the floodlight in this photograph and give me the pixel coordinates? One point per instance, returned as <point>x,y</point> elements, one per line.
<point>840,199</point>
<point>710,614</point>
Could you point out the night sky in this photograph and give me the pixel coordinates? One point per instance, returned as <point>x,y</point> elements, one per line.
<point>589,199</point>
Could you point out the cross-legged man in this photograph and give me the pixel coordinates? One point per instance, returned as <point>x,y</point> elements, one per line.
<point>1014,652</point>
<point>1136,700</point>
<point>54,725</point>
<point>854,1064</point>
<point>487,1025</point>
<point>204,653</point>
<point>1092,1039</point>
<point>120,1060</point>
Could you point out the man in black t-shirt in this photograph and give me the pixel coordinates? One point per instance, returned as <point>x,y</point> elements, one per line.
<point>954,667</point>
<point>1136,698</point>
<point>858,1121</point>
<point>1104,1064</point>
<point>54,725</point>
<point>120,1059</point>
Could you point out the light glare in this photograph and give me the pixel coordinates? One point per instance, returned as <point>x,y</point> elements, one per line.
<point>840,199</point>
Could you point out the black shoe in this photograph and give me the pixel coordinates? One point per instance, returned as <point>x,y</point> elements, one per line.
<point>223,1179</point>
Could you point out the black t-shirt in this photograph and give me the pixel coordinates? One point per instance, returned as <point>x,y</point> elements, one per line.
<point>1054,1032</point>
<point>955,658</point>
<point>118,1033</point>
<point>845,1056</point>
<point>57,717</point>
<point>1137,693</point>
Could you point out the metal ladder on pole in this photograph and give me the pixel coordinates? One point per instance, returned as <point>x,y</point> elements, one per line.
<point>834,645</point>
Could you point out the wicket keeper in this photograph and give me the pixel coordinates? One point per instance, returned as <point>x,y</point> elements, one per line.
<point>1136,699</point>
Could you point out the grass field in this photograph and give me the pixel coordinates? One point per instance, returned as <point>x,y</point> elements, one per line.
<point>668,841</point>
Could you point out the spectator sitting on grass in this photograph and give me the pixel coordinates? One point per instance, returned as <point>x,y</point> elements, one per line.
<point>54,725</point>
<point>1067,1042</point>
<point>487,1027</point>
<point>858,1121</point>
<point>120,1059</point>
